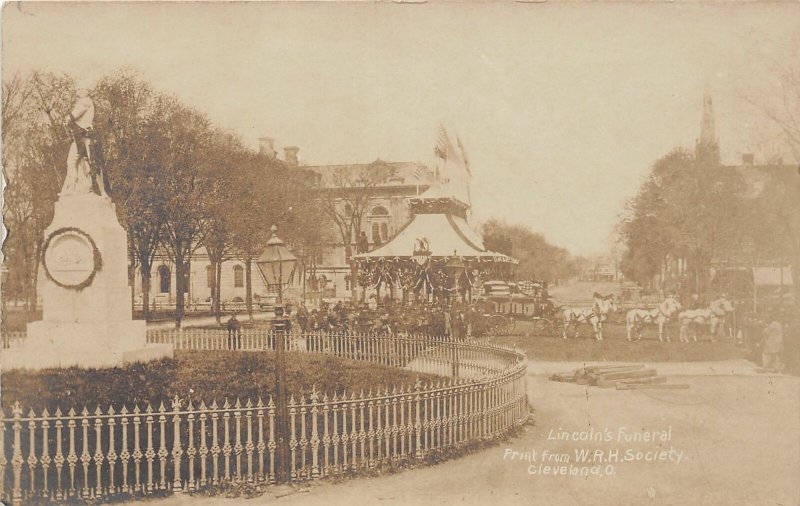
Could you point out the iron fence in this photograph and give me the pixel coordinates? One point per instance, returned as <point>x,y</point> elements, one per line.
<point>13,339</point>
<point>108,454</point>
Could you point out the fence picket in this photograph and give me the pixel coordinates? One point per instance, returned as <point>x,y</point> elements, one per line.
<point>327,433</point>
<point>177,449</point>
<point>98,451</point>
<point>250,446</point>
<point>137,452</point>
<point>191,451</point>
<point>32,460</point>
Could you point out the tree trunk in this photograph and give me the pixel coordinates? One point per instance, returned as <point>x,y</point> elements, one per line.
<point>132,271</point>
<point>146,277</point>
<point>348,253</point>
<point>180,280</point>
<point>34,275</point>
<point>248,284</point>
<point>218,288</point>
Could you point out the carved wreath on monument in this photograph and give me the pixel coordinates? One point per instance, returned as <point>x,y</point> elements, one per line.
<point>71,258</point>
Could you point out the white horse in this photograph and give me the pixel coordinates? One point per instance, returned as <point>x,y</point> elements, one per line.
<point>595,315</point>
<point>714,317</point>
<point>636,318</point>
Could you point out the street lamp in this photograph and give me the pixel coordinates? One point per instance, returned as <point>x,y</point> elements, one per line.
<point>277,263</point>
<point>274,263</point>
<point>454,268</point>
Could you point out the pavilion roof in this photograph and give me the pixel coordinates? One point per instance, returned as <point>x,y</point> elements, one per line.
<point>447,235</point>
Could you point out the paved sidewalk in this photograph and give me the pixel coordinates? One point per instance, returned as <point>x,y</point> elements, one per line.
<point>721,368</point>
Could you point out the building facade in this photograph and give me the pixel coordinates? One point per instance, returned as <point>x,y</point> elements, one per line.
<point>382,208</point>
<point>748,264</point>
<point>377,209</point>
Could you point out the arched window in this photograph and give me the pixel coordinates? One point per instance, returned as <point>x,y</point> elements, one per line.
<point>384,231</point>
<point>238,276</point>
<point>376,233</point>
<point>210,276</point>
<point>379,211</point>
<point>164,279</point>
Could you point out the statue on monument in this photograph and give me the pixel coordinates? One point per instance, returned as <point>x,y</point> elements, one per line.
<point>85,167</point>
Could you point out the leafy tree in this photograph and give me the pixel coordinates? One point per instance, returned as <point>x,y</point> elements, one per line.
<point>188,175</point>
<point>685,209</point>
<point>224,210</point>
<point>538,259</point>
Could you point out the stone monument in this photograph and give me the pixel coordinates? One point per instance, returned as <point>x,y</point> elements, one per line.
<point>87,314</point>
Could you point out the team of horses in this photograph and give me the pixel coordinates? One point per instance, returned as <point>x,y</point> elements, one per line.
<point>690,321</point>
<point>594,316</point>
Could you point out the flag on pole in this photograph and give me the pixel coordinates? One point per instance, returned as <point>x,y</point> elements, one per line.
<point>463,155</point>
<point>443,147</point>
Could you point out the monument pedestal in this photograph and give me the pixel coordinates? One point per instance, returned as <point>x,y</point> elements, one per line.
<point>87,319</point>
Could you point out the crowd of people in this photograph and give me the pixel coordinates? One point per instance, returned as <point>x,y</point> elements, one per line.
<point>460,319</point>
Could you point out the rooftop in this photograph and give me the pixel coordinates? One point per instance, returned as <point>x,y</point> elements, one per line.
<point>401,173</point>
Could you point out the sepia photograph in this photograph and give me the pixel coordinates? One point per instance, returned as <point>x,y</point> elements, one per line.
<point>400,253</point>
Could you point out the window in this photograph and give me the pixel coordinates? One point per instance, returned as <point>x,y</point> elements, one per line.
<point>379,224</point>
<point>210,276</point>
<point>164,279</point>
<point>238,276</point>
<point>376,233</point>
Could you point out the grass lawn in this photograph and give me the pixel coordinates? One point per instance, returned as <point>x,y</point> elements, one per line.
<point>615,347</point>
<point>197,376</point>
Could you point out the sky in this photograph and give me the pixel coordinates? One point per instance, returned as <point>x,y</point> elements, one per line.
<point>562,108</point>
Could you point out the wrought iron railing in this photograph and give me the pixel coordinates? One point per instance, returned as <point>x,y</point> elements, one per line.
<point>137,451</point>
<point>13,339</point>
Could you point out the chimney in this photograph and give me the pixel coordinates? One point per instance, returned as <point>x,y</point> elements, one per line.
<point>266,146</point>
<point>748,159</point>
<point>290,155</point>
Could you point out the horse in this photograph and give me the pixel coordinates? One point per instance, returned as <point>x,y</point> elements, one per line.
<point>595,315</point>
<point>659,316</point>
<point>714,316</point>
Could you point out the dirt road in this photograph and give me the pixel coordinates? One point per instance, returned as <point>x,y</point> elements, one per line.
<point>728,440</point>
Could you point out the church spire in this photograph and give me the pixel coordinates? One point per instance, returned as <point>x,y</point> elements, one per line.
<point>707,147</point>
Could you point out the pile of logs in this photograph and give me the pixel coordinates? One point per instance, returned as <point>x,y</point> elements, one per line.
<point>623,377</point>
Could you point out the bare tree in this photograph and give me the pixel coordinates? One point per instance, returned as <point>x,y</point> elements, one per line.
<point>779,101</point>
<point>34,155</point>
<point>132,139</point>
<point>345,195</point>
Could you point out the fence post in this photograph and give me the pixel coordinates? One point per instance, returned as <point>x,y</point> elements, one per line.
<point>16,459</point>
<point>3,460</point>
<point>85,457</point>
<point>191,451</point>
<point>177,451</point>
<point>418,419</point>
<point>98,451</point>
<point>315,433</point>
<point>282,412</point>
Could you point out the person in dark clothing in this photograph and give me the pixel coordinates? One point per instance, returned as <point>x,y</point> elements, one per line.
<point>234,333</point>
<point>302,317</point>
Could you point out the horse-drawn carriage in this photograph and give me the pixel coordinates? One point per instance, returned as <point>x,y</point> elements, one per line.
<point>528,301</point>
